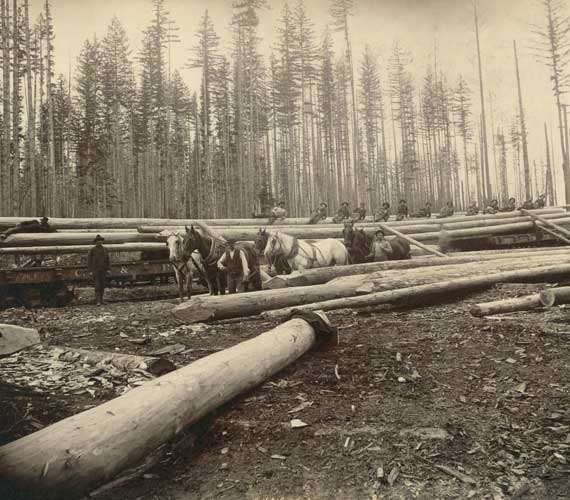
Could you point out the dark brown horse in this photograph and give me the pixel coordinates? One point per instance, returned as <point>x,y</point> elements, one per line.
<point>359,245</point>
<point>211,250</point>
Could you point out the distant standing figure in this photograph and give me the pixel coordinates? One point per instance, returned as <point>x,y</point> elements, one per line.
<point>98,264</point>
<point>319,214</point>
<point>359,213</point>
<point>343,212</point>
<point>402,210</point>
<point>540,201</point>
<point>383,213</point>
<point>234,262</point>
<point>380,250</point>
<point>278,213</point>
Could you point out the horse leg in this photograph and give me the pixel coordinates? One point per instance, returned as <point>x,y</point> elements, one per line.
<point>222,283</point>
<point>179,283</point>
<point>189,284</point>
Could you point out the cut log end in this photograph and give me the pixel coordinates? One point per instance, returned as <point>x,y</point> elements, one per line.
<point>476,311</point>
<point>193,311</point>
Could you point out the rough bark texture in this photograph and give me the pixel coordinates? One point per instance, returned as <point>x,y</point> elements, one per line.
<point>507,305</point>
<point>70,458</point>
<point>556,296</point>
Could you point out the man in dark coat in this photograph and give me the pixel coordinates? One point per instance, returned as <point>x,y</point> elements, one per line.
<point>359,213</point>
<point>319,214</point>
<point>446,211</point>
<point>383,213</point>
<point>343,212</point>
<point>402,210</point>
<point>29,226</point>
<point>234,262</point>
<point>98,264</point>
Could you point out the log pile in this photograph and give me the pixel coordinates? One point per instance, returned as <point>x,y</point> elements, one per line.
<point>253,303</point>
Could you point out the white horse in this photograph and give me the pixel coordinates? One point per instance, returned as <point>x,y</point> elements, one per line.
<point>301,254</point>
<point>181,262</point>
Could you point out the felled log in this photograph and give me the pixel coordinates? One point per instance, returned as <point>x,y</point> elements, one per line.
<point>62,239</point>
<point>15,338</point>
<point>207,308</point>
<point>325,274</point>
<point>509,305</point>
<point>124,362</point>
<point>517,227</point>
<point>556,296</point>
<point>316,232</point>
<point>80,249</point>
<point>447,289</point>
<point>72,457</point>
<point>467,224</point>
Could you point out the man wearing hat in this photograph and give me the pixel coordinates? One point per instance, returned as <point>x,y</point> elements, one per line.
<point>278,213</point>
<point>402,210</point>
<point>320,214</point>
<point>234,263</point>
<point>98,264</point>
<point>383,213</point>
<point>343,212</point>
<point>359,213</point>
<point>380,250</point>
<point>29,226</point>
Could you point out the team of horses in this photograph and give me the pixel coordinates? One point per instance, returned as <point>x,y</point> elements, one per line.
<point>199,250</point>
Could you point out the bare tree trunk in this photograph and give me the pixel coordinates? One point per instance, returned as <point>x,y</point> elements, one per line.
<point>5,168</point>
<point>31,118</point>
<point>523,127</point>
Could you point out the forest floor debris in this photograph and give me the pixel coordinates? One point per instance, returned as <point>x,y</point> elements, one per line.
<point>484,411</point>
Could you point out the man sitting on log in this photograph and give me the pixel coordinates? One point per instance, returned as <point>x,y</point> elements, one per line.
<point>528,204</point>
<point>380,249</point>
<point>278,213</point>
<point>343,212</point>
<point>424,212</point>
<point>511,205</point>
<point>383,213</point>
<point>493,207</point>
<point>98,264</point>
<point>319,214</point>
<point>29,226</point>
<point>446,211</point>
<point>359,213</point>
<point>473,209</point>
<point>402,210</point>
<point>540,201</point>
<point>234,263</point>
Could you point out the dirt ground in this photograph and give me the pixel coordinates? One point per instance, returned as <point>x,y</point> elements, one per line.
<point>428,402</point>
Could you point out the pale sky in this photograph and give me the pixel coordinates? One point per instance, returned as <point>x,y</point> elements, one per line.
<point>418,25</point>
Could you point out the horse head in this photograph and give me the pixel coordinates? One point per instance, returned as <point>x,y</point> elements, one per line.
<point>348,232</point>
<point>175,245</point>
<point>261,240</point>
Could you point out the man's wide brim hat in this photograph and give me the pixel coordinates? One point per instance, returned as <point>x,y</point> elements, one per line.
<point>98,238</point>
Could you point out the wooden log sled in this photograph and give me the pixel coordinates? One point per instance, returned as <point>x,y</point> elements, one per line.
<point>72,457</point>
<point>208,308</point>
<point>325,274</point>
<point>445,289</point>
<point>124,362</point>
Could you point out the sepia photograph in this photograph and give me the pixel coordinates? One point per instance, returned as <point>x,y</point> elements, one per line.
<point>284,249</point>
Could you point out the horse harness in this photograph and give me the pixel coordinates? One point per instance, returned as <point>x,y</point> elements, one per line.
<point>296,248</point>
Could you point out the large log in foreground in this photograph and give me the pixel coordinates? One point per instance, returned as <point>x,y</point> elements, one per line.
<point>208,308</point>
<point>446,289</point>
<point>325,274</point>
<point>72,457</point>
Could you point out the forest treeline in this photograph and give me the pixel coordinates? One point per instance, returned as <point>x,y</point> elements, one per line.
<point>125,136</point>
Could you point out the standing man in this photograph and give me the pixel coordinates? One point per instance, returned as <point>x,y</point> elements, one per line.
<point>98,264</point>
<point>234,263</point>
<point>278,213</point>
<point>380,249</point>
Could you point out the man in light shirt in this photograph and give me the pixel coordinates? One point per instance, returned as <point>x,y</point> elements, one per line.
<point>380,250</point>
<point>234,263</point>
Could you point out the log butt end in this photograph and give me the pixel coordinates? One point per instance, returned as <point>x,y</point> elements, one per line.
<point>547,298</point>
<point>476,311</point>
